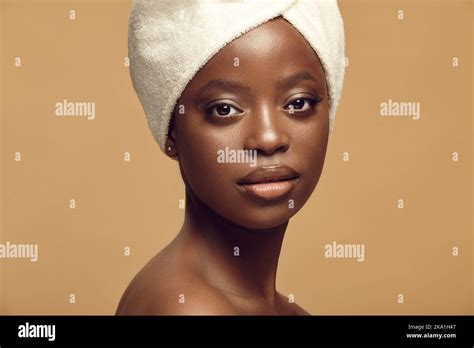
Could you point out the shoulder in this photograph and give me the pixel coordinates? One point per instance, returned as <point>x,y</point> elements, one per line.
<point>159,291</point>
<point>301,311</point>
<point>292,307</point>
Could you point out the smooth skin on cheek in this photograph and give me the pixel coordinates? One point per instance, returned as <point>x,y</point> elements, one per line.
<point>246,106</point>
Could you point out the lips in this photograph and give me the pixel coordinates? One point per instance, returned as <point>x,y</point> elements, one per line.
<point>269,182</point>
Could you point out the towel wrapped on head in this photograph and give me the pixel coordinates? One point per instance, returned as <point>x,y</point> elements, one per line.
<point>170,40</point>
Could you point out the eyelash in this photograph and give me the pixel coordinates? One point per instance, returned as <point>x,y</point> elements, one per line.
<point>311,101</point>
<point>212,107</point>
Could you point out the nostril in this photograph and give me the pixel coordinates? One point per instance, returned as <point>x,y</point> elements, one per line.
<point>267,151</point>
<point>267,137</point>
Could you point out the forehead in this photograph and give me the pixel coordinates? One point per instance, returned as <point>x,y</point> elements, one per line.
<point>265,53</point>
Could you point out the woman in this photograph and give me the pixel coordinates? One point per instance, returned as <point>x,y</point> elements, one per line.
<point>246,80</point>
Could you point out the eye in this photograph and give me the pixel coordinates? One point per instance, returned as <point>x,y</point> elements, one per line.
<point>222,110</point>
<point>301,105</point>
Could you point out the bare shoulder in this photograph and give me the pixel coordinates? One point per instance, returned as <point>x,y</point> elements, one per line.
<point>161,290</point>
<point>292,307</point>
<point>301,311</point>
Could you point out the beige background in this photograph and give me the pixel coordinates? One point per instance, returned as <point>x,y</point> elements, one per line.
<point>81,251</point>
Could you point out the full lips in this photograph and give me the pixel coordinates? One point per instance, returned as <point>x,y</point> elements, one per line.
<point>268,191</point>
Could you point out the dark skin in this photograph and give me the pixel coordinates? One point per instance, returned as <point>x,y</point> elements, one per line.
<point>279,109</point>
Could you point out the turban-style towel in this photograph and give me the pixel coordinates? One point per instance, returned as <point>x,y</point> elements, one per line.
<point>170,40</point>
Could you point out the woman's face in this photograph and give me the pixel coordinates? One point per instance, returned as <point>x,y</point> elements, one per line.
<point>264,93</point>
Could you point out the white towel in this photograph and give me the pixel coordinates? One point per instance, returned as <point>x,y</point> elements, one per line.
<point>170,40</point>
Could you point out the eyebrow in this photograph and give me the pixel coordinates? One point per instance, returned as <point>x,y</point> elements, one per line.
<point>292,80</point>
<point>226,85</point>
<point>234,86</point>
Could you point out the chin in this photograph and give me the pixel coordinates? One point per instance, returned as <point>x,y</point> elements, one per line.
<point>262,218</point>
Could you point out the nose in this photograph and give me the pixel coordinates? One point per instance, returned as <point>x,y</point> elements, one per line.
<point>267,133</point>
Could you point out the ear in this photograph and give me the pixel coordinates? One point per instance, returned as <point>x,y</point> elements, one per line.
<point>171,148</point>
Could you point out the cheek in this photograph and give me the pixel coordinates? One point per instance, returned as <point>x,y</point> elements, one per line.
<point>198,151</point>
<point>310,145</point>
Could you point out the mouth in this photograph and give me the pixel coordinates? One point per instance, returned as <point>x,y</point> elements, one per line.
<point>269,182</point>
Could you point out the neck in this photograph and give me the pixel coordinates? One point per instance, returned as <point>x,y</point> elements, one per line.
<point>235,259</point>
